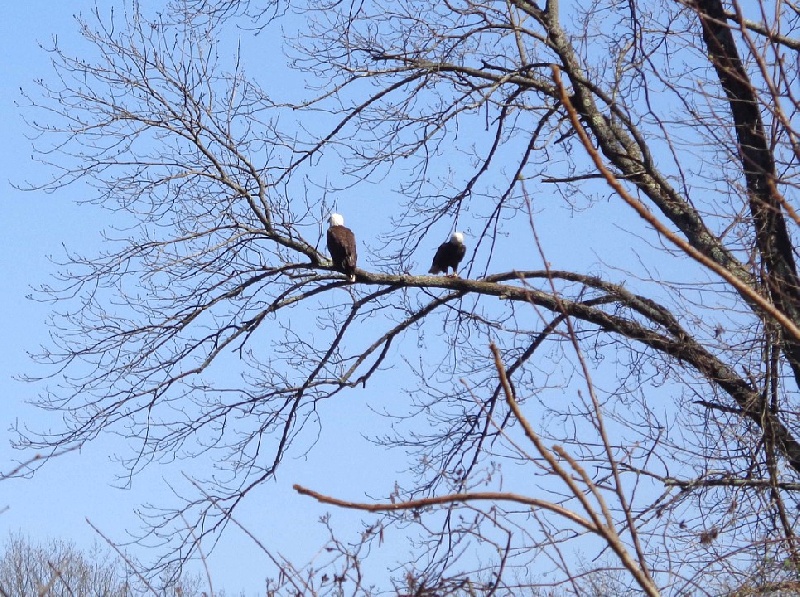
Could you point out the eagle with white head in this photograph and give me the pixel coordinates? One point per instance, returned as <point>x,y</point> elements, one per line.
<point>449,255</point>
<point>342,247</point>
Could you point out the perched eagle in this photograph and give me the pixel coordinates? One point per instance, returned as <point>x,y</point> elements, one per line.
<point>449,255</point>
<point>342,247</point>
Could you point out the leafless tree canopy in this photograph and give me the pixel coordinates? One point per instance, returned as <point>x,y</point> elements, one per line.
<point>648,392</point>
<point>59,569</point>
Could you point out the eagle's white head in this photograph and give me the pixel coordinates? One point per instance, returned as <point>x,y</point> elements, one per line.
<point>336,220</point>
<point>457,238</point>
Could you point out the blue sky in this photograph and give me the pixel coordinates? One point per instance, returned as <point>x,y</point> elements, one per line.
<point>56,502</point>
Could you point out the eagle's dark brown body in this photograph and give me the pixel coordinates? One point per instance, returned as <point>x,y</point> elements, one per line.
<point>342,247</point>
<point>449,255</point>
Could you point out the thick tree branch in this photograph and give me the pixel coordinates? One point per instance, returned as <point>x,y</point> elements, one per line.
<point>758,165</point>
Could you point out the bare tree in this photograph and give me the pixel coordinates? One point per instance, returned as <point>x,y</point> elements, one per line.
<point>59,568</point>
<point>650,395</point>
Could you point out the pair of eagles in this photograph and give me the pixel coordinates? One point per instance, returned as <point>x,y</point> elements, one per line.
<point>342,247</point>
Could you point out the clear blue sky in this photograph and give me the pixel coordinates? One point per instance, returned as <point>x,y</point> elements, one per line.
<point>56,502</point>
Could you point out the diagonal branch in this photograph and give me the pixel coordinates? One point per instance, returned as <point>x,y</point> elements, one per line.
<point>455,498</point>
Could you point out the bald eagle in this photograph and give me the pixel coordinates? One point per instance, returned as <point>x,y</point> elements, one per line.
<point>342,247</point>
<point>449,255</point>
